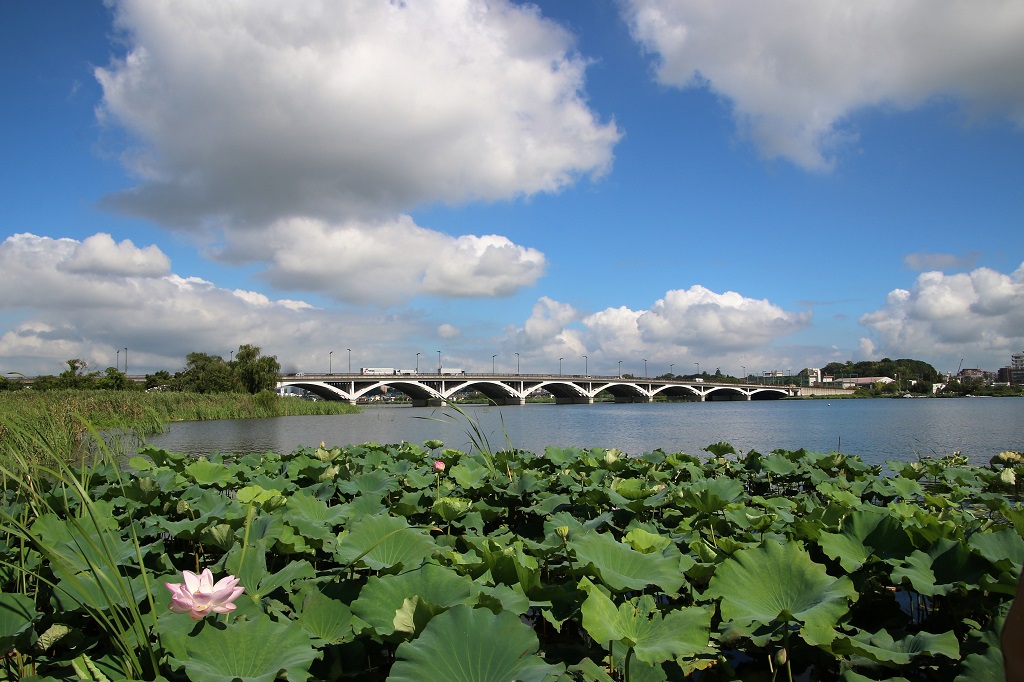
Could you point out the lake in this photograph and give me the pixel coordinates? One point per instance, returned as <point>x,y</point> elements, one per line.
<point>874,429</point>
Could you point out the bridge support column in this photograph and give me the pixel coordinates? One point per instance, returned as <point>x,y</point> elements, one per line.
<point>633,399</point>
<point>508,401</point>
<point>575,400</point>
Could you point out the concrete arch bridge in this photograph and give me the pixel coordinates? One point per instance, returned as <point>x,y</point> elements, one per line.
<point>509,389</point>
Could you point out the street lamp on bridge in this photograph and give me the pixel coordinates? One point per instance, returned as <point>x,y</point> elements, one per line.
<point>620,369</point>
<point>698,368</point>
<point>126,360</point>
<point>586,371</point>
<point>671,373</point>
<point>560,366</point>
<point>418,363</point>
<point>492,363</point>
<point>330,362</point>
<point>517,364</point>
<point>744,368</point>
<point>349,360</point>
<point>645,368</point>
<point>438,362</point>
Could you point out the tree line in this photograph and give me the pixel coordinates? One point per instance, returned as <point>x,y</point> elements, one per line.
<point>247,371</point>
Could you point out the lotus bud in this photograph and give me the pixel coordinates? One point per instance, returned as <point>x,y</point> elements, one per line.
<point>1008,477</point>
<point>562,532</point>
<point>438,466</point>
<point>781,656</point>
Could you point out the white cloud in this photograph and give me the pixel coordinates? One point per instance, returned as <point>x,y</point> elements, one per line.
<point>719,329</point>
<point>81,313</point>
<point>247,113</point>
<point>383,262</point>
<point>978,316</point>
<point>794,71</point>
<point>100,255</point>
<point>448,331</point>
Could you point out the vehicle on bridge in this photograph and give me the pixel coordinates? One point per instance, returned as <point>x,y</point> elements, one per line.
<point>378,370</point>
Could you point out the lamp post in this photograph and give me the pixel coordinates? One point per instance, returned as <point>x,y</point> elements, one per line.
<point>118,368</point>
<point>349,360</point>
<point>231,356</point>
<point>744,368</point>
<point>586,370</point>
<point>438,362</point>
<point>126,360</point>
<point>517,364</point>
<point>560,366</point>
<point>417,363</point>
<point>645,368</point>
<point>620,369</point>
<point>698,368</point>
<point>330,362</point>
<point>492,363</point>
<point>671,373</point>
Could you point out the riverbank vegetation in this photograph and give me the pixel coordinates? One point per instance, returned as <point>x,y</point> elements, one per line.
<point>407,563</point>
<point>58,418</point>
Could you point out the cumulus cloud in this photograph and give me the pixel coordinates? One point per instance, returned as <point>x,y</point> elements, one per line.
<point>100,255</point>
<point>448,331</point>
<point>248,113</point>
<point>383,262</point>
<point>977,315</point>
<point>795,71</point>
<point>160,318</point>
<point>693,322</point>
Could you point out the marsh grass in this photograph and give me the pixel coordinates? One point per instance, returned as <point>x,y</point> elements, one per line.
<point>53,422</point>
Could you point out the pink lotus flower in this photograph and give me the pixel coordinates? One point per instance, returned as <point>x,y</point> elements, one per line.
<point>199,596</point>
<point>438,465</point>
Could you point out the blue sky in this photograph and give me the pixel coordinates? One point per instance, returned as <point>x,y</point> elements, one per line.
<point>748,186</point>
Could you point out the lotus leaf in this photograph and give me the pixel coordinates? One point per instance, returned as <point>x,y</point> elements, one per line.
<point>1004,548</point>
<point>382,598</point>
<point>639,625</point>
<point>17,611</point>
<point>451,508</point>
<point>204,472</point>
<point>880,647</point>
<point>866,533</point>
<point>383,542</point>
<point>471,645</point>
<point>622,568</point>
<point>259,650</point>
<point>711,495</point>
<point>946,566</point>
<point>777,584</point>
<point>325,618</point>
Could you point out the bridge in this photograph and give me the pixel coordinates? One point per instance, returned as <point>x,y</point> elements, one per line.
<point>513,389</point>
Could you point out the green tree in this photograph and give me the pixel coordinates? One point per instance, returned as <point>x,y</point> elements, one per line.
<point>206,373</point>
<point>77,375</point>
<point>254,371</point>
<point>160,378</point>
<point>115,380</point>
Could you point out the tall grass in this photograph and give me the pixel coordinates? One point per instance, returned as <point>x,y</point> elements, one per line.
<point>56,419</point>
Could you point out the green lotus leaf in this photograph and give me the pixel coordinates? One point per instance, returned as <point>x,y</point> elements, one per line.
<point>382,597</point>
<point>309,508</point>
<point>469,473</point>
<point>260,496</point>
<point>865,533</point>
<point>258,650</point>
<point>721,449</point>
<point>204,472</point>
<point>780,583</point>
<point>639,625</point>
<point>17,611</point>
<point>987,665</point>
<point>947,565</point>
<point>77,544</point>
<point>375,483</point>
<point>1004,548</point>
<point>898,486</point>
<point>382,542</point>
<point>325,618</point>
<point>711,495</point>
<point>646,542</point>
<point>506,564</point>
<point>880,647</point>
<point>621,567</point>
<point>472,645</point>
<point>451,508</point>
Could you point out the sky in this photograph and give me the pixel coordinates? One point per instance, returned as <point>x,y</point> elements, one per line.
<point>644,185</point>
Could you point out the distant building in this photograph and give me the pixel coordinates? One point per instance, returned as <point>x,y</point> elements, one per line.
<point>1016,373</point>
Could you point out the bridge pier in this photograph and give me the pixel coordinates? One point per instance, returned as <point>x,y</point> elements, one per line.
<point>429,402</point>
<point>508,401</point>
<point>574,400</point>
<point>633,399</point>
